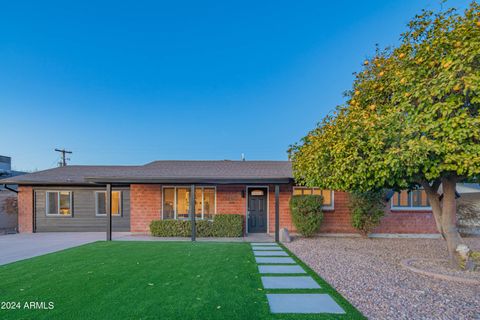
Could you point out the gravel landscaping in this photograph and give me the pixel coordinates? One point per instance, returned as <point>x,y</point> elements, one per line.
<point>368,273</point>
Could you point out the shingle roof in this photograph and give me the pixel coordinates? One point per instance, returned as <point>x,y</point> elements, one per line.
<point>169,171</point>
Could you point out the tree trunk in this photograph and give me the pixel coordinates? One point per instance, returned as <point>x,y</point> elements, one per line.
<point>449,219</point>
<point>445,214</point>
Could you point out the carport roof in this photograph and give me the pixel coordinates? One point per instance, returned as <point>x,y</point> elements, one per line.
<point>167,171</point>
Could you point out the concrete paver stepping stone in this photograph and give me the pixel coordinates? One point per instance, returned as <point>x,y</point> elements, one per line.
<point>278,260</point>
<point>280,269</point>
<point>280,282</point>
<point>270,253</point>
<point>302,303</point>
<point>264,244</point>
<point>266,248</point>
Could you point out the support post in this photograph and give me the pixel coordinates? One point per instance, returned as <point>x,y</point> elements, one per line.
<point>108,207</point>
<point>192,211</point>
<point>277,213</point>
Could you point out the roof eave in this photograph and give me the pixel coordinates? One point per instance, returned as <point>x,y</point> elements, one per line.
<point>133,180</point>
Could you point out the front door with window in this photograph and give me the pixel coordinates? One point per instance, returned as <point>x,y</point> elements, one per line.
<point>257,210</point>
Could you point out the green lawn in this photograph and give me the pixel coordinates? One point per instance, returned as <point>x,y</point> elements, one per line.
<point>146,280</point>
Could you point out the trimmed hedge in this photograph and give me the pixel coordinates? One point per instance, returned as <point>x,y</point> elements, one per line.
<point>223,225</point>
<point>307,213</point>
<point>228,225</point>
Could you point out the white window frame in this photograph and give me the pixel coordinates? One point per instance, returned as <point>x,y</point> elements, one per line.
<point>175,201</point>
<point>58,203</point>
<point>394,207</point>
<point>120,207</point>
<point>332,196</point>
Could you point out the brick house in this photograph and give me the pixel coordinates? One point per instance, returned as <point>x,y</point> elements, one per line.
<point>73,198</point>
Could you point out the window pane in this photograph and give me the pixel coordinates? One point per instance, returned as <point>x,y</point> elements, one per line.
<point>116,203</point>
<point>404,201</point>
<point>317,192</point>
<point>208,203</point>
<point>101,203</point>
<point>168,198</point>
<point>416,200</point>
<point>425,201</point>
<point>65,203</point>
<point>297,191</point>
<point>52,202</point>
<point>327,198</point>
<point>198,202</point>
<point>183,196</point>
<point>307,191</point>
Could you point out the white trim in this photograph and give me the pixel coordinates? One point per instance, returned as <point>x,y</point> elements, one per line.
<point>246,206</point>
<point>58,203</point>
<point>175,199</point>
<point>120,206</point>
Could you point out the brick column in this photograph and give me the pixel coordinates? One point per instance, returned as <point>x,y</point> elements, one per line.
<point>25,209</point>
<point>145,206</point>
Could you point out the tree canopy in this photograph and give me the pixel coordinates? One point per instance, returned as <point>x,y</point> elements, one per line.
<point>412,114</point>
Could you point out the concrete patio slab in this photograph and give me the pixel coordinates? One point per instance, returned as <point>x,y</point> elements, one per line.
<point>277,253</point>
<point>281,282</point>
<point>276,260</point>
<point>15,247</point>
<point>266,248</point>
<point>302,303</point>
<point>281,269</point>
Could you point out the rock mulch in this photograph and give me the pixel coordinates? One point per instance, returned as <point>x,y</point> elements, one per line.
<point>368,273</point>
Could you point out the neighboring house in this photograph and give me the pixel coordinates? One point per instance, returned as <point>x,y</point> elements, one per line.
<point>469,208</point>
<point>72,198</point>
<point>8,198</point>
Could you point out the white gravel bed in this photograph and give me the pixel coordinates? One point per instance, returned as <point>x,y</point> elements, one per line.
<point>368,273</point>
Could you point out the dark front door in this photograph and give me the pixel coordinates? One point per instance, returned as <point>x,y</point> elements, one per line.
<point>257,210</point>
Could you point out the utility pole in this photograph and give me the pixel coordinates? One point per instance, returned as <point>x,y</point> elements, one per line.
<point>63,163</point>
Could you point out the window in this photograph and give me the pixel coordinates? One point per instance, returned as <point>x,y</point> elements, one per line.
<point>176,202</point>
<point>326,194</point>
<point>413,199</point>
<point>101,203</point>
<point>59,203</point>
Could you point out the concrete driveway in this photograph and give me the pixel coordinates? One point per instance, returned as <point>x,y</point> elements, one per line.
<point>14,247</point>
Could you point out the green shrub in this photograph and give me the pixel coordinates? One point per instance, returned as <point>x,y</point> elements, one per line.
<point>223,225</point>
<point>367,209</point>
<point>306,213</point>
<point>204,228</point>
<point>170,228</point>
<point>228,225</point>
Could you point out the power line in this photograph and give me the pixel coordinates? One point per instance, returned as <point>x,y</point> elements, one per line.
<point>63,163</point>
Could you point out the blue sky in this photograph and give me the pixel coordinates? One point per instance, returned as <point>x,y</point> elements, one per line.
<point>128,82</point>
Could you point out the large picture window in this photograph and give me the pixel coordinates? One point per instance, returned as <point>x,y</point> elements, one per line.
<point>326,194</point>
<point>101,203</point>
<point>413,199</point>
<point>176,202</point>
<point>59,203</point>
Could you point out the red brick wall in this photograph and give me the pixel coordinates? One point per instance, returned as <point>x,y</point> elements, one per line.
<point>407,222</point>
<point>230,200</point>
<point>145,206</point>
<point>339,219</point>
<point>284,208</point>
<point>25,209</point>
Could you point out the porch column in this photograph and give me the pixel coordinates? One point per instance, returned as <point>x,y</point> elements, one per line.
<point>277,213</point>
<point>192,210</point>
<point>108,208</point>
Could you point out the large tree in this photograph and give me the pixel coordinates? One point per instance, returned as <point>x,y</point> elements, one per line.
<point>411,119</point>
